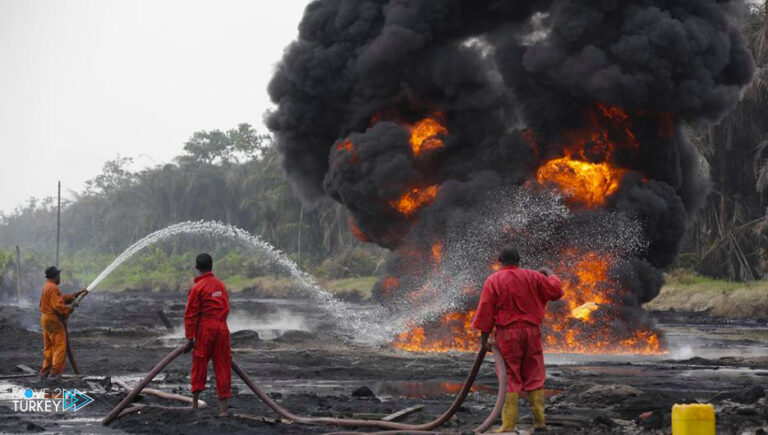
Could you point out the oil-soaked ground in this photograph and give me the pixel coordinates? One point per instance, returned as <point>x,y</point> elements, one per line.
<point>280,344</point>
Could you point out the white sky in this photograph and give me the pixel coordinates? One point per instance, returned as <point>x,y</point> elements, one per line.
<point>84,80</point>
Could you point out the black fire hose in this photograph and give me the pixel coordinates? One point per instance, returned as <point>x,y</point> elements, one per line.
<point>70,354</point>
<point>393,426</point>
<point>143,384</point>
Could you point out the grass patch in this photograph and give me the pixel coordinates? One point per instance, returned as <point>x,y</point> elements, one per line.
<point>287,287</point>
<point>362,285</point>
<point>686,291</point>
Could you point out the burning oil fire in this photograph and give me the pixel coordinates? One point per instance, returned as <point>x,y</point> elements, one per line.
<point>437,252</point>
<point>426,134</point>
<point>584,180</point>
<point>356,231</point>
<point>574,328</point>
<point>583,311</point>
<point>588,183</point>
<point>459,336</point>
<point>578,323</point>
<point>414,199</point>
<point>349,147</point>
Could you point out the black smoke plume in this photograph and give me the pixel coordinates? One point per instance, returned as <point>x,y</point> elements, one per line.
<point>510,81</point>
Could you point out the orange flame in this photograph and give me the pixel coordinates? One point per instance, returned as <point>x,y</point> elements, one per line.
<point>414,199</point>
<point>390,282</point>
<point>581,323</point>
<point>349,147</point>
<point>578,174</point>
<point>620,120</point>
<point>437,252</point>
<point>573,330</point>
<point>588,183</point>
<point>460,336</point>
<point>584,285</point>
<point>426,134</point>
<point>356,231</point>
<point>583,311</point>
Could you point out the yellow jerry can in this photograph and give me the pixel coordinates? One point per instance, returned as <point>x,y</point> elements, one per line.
<point>693,419</point>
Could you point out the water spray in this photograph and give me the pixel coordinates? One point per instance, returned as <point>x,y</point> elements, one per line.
<point>348,318</point>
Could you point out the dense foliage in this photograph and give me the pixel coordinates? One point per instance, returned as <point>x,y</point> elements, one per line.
<point>235,177</point>
<point>232,177</point>
<point>729,238</point>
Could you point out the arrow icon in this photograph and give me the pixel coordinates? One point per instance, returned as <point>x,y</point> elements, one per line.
<point>75,399</point>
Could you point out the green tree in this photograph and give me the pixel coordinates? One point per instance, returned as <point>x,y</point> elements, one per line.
<point>241,143</point>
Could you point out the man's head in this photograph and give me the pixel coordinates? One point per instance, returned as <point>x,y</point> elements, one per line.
<point>204,263</point>
<point>53,274</point>
<point>509,256</point>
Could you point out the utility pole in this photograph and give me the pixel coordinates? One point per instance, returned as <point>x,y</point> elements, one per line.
<point>18,273</point>
<point>58,226</point>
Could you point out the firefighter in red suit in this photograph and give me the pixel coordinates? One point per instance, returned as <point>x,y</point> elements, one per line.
<point>205,326</point>
<point>513,301</point>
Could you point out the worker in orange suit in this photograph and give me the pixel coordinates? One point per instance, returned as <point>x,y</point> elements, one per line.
<point>205,327</point>
<point>514,301</point>
<point>54,309</point>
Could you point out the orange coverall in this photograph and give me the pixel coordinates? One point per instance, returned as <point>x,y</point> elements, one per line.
<point>53,312</point>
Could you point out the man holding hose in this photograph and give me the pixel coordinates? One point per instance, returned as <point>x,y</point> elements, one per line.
<point>514,300</point>
<point>205,326</point>
<point>54,309</point>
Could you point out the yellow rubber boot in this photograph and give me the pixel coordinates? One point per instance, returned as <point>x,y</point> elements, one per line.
<point>536,397</point>
<point>508,413</point>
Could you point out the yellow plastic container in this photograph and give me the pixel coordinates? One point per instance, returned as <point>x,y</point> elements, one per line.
<point>693,419</point>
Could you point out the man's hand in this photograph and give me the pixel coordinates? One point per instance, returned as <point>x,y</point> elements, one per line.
<point>190,345</point>
<point>491,342</point>
<point>546,271</point>
<point>484,341</point>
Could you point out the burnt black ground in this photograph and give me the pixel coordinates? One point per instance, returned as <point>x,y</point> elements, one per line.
<point>121,335</point>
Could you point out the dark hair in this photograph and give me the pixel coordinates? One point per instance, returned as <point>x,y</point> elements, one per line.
<point>509,256</point>
<point>52,272</point>
<point>204,263</point>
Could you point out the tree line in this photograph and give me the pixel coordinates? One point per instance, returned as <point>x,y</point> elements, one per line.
<point>235,177</point>
<point>230,176</point>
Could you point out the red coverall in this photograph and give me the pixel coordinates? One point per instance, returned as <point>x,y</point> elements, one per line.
<point>514,300</point>
<point>205,320</point>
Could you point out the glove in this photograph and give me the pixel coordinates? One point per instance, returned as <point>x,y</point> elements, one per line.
<point>190,345</point>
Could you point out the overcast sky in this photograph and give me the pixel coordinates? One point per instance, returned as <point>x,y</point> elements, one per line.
<point>82,81</point>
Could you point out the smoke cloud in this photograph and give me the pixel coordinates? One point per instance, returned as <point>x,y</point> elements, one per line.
<point>515,84</point>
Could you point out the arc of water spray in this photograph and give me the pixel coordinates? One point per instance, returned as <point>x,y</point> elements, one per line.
<point>347,317</point>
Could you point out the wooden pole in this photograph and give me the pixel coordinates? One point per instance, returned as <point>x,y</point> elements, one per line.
<point>18,273</point>
<point>58,226</point>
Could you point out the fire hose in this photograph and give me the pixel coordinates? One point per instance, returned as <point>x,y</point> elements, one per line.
<point>392,427</point>
<point>70,354</point>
